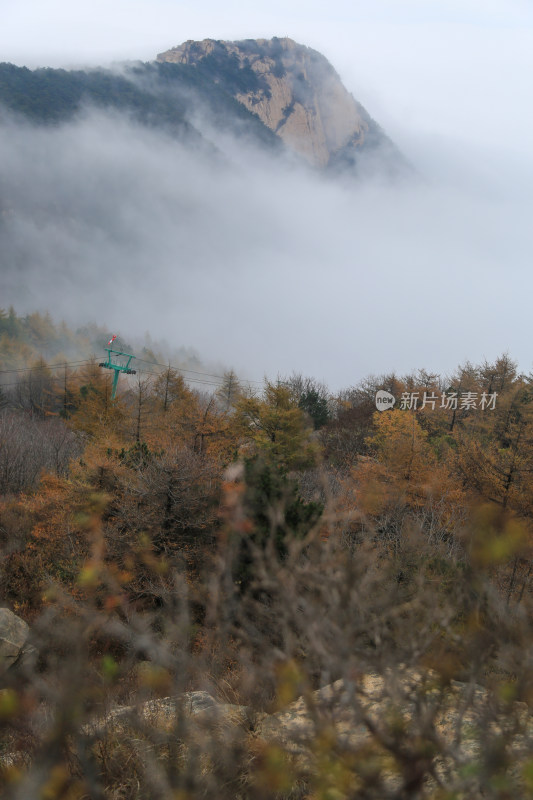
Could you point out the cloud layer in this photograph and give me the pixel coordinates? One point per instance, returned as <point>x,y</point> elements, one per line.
<point>261,264</point>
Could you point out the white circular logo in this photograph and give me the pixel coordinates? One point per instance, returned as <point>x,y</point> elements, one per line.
<point>384,400</point>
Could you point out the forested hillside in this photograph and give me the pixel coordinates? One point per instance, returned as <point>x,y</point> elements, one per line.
<point>25,339</point>
<point>159,95</point>
<point>274,93</point>
<point>259,542</point>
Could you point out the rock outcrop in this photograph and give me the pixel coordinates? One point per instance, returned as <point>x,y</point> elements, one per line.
<point>402,734</point>
<point>161,714</point>
<point>295,92</point>
<point>13,634</point>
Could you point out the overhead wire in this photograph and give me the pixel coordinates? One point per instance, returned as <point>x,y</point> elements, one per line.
<point>64,364</point>
<point>194,372</point>
<point>61,365</point>
<point>189,380</point>
<point>217,382</point>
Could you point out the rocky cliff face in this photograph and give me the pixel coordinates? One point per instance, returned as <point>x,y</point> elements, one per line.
<point>293,89</point>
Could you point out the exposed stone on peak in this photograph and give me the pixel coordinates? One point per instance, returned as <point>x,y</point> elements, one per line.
<point>293,89</point>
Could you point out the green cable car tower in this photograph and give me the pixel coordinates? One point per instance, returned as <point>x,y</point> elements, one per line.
<point>118,361</point>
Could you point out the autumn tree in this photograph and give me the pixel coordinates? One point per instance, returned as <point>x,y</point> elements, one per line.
<point>65,388</point>
<point>169,495</point>
<point>346,435</point>
<point>96,413</point>
<point>170,388</point>
<point>401,486</point>
<point>401,444</point>
<point>278,427</point>
<point>35,390</point>
<point>499,375</point>
<point>495,453</point>
<point>30,446</point>
<point>140,395</point>
<point>49,528</point>
<point>312,397</point>
<point>229,392</point>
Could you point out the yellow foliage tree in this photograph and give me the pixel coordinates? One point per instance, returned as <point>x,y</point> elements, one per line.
<point>278,427</point>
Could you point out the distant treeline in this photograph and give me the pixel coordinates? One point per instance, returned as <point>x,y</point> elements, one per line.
<point>26,339</point>
<point>158,94</point>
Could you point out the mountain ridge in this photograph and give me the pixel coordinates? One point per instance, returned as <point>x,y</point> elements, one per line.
<point>277,93</point>
<point>293,90</point>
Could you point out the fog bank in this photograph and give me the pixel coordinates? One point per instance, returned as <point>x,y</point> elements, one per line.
<point>264,265</point>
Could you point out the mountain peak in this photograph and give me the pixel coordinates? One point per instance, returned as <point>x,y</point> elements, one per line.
<point>293,89</point>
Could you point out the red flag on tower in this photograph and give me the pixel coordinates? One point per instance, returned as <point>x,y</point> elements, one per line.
<point>112,339</point>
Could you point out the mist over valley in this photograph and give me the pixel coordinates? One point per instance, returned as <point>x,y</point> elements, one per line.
<point>149,198</point>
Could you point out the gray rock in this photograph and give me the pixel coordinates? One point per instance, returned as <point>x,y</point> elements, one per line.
<point>13,634</point>
<point>200,707</point>
<point>196,702</point>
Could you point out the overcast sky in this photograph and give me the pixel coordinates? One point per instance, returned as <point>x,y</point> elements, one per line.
<point>451,84</point>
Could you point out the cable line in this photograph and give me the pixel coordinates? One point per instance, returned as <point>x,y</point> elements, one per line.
<point>49,366</point>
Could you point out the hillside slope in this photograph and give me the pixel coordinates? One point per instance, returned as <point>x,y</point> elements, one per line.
<point>163,96</point>
<point>276,93</point>
<point>294,91</point>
